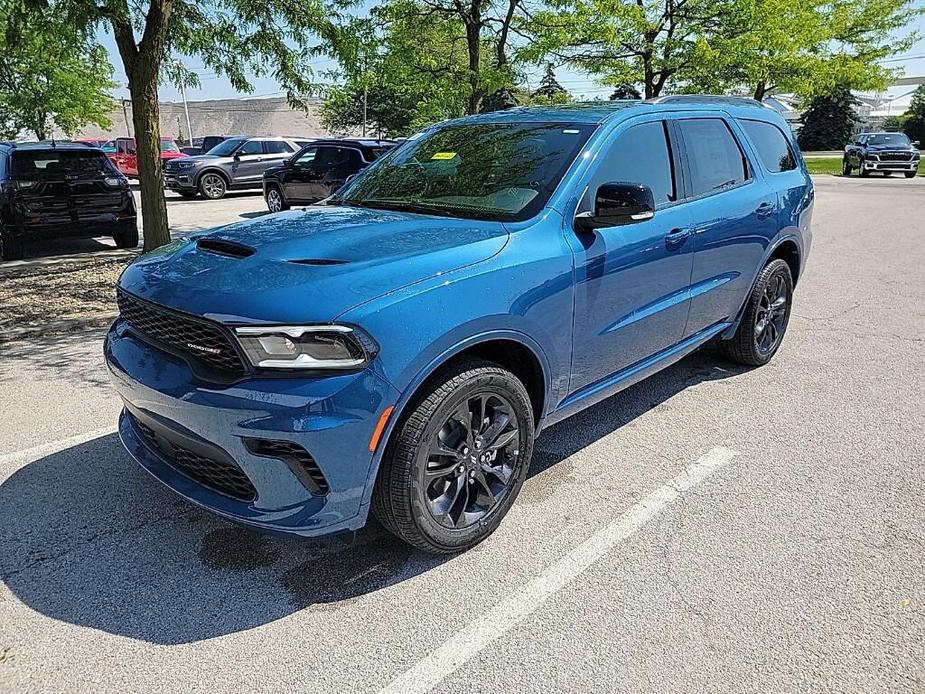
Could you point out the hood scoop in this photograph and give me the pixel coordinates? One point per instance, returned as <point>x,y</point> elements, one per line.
<point>226,248</point>
<point>319,261</point>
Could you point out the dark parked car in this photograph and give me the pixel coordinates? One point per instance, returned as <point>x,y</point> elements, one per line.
<point>885,152</point>
<point>201,145</point>
<point>237,163</point>
<point>398,348</point>
<point>60,190</point>
<point>318,170</point>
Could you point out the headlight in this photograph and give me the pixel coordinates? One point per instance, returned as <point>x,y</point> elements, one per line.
<point>306,346</point>
<point>184,164</point>
<point>873,157</point>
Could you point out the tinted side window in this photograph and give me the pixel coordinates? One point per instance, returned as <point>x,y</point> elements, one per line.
<point>640,155</point>
<point>276,147</point>
<point>251,147</point>
<point>306,157</point>
<point>340,158</point>
<point>771,145</point>
<point>715,160</point>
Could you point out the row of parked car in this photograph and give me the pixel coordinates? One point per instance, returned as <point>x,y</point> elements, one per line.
<point>81,189</point>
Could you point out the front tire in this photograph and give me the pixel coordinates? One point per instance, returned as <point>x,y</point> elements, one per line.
<point>274,199</point>
<point>845,168</point>
<point>862,171</point>
<point>455,464</point>
<point>212,186</point>
<point>766,317</point>
<point>910,174</point>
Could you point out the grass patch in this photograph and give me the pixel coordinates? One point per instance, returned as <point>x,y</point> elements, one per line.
<point>823,165</point>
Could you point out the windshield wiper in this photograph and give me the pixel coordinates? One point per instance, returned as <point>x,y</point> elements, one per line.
<point>402,206</point>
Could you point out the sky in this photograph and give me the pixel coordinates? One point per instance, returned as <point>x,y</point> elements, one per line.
<point>580,85</point>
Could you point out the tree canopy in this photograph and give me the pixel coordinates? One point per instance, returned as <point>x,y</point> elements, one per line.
<point>52,75</point>
<point>829,122</point>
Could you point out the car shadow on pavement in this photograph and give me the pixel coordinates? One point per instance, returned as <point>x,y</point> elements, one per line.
<point>87,537</point>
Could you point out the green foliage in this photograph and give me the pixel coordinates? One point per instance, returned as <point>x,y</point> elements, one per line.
<point>894,123</point>
<point>624,92</point>
<point>52,75</point>
<point>914,119</point>
<point>829,122</point>
<point>656,43</point>
<point>807,47</point>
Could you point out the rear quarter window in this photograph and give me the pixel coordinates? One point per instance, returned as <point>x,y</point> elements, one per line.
<point>771,144</point>
<point>50,163</point>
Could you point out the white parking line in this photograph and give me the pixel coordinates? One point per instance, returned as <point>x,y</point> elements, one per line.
<point>464,644</point>
<point>30,455</point>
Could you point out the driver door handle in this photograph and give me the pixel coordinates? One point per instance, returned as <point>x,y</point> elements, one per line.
<point>677,236</point>
<point>765,209</point>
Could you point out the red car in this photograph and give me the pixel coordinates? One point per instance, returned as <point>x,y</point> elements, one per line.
<point>121,152</point>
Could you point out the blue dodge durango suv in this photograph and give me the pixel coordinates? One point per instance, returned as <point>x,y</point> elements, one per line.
<point>398,347</point>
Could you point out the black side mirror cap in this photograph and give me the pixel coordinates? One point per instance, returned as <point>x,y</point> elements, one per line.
<point>616,204</point>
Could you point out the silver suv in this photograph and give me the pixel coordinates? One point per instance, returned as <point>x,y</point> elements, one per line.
<point>237,163</point>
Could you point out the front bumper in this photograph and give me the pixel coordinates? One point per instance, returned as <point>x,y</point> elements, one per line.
<point>180,180</point>
<point>911,165</point>
<point>331,418</point>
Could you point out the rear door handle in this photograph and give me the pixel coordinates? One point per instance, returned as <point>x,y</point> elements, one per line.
<point>676,237</point>
<point>765,209</point>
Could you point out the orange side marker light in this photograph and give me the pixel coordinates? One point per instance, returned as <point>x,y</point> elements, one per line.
<point>380,425</point>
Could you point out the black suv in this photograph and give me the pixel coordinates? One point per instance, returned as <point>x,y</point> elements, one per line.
<point>318,170</point>
<point>885,152</point>
<point>61,190</point>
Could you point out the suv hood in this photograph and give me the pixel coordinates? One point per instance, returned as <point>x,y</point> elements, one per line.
<point>198,157</point>
<point>307,265</point>
<point>891,148</point>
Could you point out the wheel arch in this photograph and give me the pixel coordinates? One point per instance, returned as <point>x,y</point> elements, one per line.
<point>215,170</point>
<point>510,349</point>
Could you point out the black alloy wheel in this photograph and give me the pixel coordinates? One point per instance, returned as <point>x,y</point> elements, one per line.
<point>470,463</point>
<point>457,458</point>
<point>765,318</point>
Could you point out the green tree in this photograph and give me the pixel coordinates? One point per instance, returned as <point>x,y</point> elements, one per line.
<point>655,43</point>
<point>623,92</point>
<point>52,75</point>
<point>913,120</point>
<point>231,38</point>
<point>806,47</point>
<point>829,122</point>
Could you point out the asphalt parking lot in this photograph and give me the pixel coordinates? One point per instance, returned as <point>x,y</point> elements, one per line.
<point>711,529</point>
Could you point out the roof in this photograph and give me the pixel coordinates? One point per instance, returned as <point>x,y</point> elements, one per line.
<point>594,112</point>
<point>353,141</point>
<point>82,146</point>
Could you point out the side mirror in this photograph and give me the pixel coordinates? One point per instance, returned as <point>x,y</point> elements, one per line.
<point>618,203</point>
<point>131,150</point>
<point>915,143</point>
<point>236,155</point>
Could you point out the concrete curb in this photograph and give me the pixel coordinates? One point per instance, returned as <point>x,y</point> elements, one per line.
<point>66,325</point>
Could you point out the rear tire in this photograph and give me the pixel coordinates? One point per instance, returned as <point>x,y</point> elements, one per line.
<point>127,237</point>
<point>10,248</point>
<point>766,317</point>
<point>457,461</point>
<point>212,186</point>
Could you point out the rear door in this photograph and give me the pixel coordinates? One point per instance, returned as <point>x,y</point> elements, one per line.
<point>337,163</point>
<point>734,218</point>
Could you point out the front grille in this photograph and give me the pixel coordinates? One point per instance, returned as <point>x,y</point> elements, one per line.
<point>221,476</point>
<point>895,156</point>
<point>297,458</point>
<point>203,340</point>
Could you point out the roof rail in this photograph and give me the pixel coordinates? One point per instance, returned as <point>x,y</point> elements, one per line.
<point>706,98</point>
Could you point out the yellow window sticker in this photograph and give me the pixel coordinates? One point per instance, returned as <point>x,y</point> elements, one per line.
<point>443,156</point>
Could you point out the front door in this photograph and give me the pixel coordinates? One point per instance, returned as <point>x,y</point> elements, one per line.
<point>297,186</point>
<point>248,166</point>
<point>632,281</point>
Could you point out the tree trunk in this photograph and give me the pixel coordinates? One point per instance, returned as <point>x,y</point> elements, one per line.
<point>146,120</point>
<point>142,63</point>
<point>474,44</point>
<point>760,90</point>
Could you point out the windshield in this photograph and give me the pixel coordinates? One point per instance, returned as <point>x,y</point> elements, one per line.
<point>889,139</point>
<point>60,163</point>
<point>227,148</point>
<point>497,171</point>
<point>169,146</point>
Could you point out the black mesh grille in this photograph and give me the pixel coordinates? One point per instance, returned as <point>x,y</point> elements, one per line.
<point>219,475</point>
<point>201,339</point>
<point>297,458</point>
<point>895,156</point>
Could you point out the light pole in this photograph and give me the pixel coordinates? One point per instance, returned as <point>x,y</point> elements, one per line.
<point>189,127</point>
